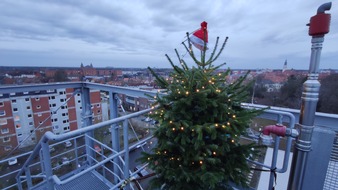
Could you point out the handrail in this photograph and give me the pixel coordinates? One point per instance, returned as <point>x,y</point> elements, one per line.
<point>48,136</point>
<point>60,182</point>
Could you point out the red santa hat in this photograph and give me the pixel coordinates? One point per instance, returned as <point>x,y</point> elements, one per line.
<point>200,36</point>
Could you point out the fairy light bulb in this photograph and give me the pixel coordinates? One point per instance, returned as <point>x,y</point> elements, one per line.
<point>187,92</point>
<point>216,125</point>
<point>228,123</point>
<point>232,140</point>
<point>170,122</point>
<point>173,129</point>
<point>234,116</point>
<point>182,128</point>
<point>201,162</point>
<point>214,153</point>
<point>197,90</point>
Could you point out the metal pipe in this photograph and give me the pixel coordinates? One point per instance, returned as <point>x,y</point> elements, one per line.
<point>324,7</point>
<point>277,129</point>
<point>310,96</point>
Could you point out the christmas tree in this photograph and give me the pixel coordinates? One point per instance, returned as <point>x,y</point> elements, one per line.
<point>200,124</point>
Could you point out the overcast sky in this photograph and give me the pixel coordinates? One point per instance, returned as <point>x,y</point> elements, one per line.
<point>135,33</point>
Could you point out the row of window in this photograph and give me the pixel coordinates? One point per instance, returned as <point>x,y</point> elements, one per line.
<point>26,99</point>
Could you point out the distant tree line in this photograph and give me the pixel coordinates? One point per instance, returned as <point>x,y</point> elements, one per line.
<point>290,94</point>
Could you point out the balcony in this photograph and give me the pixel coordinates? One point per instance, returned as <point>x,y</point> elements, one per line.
<point>92,162</point>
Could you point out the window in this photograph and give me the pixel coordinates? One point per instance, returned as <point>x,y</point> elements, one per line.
<point>62,100</point>
<point>2,113</point>
<point>39,114</point>
<point>19,135</point>
<point>1,104</point>
<point>64,114</point>
<point>97,105</point>
<point>79,101</point>
<point>31,123</point>
<point>65,121</point>
<point>15,109</point>
<point>14,101</point>
<point>29,115</point>
<point>32,131</point>
<point>78,94</point>
<point>38,107</point>
<point>28,107</point>
<point>41,130</point>
<point>8,148</point>
<point>4,130</point>
<point>6,139</point>
<point>18,126</point>
<point>66,128</point>
<point>40,122</point>
<point>98,111</point>
<point>3,121</point>
<point>27,99</point>
<point>37,98</point>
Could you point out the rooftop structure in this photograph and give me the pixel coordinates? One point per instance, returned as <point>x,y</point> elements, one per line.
<point>92,159</point>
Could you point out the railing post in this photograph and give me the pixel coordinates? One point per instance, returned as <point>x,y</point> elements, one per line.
<point>319,26</point>
<point>87,121</point>
<point>115,135</point>
<point>46,165</point>
<point>126,154</point>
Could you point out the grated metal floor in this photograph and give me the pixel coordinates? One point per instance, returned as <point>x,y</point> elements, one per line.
<point>88,181</point>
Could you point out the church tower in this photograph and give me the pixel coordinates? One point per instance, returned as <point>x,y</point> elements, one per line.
<point>285,67</point>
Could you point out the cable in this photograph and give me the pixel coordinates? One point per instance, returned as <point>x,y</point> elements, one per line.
<point>11,152</point>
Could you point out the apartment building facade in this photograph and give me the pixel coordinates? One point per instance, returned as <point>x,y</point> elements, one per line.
<point>25,117</point>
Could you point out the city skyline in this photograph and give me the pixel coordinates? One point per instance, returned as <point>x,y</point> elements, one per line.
<point>262,35</point>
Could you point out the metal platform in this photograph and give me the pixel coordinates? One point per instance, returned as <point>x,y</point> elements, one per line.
<point>88,181</point>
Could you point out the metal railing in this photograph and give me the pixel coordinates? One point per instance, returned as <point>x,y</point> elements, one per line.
<point>88,159</point>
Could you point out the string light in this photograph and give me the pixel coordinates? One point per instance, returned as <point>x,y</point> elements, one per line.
<point>223,126</point>
<point>228,123</point>
<point>234,116</point>
<point>170,121</point>
<point>214,153</point>
<point>201,162</point>
<point>216,125</point>
<point>173,129</point>
<point>232,140</point>
<point>187,92</point>
<point>197,90</point>
<point>182,128</point>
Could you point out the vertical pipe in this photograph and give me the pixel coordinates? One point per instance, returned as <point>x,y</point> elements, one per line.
<point>319,26</point>
<point>306,119</point>
<point>115,137</point>
<point>126,154</point>
<point>275,155</point>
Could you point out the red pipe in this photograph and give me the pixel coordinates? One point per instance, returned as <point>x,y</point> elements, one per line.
<point>279,130</point>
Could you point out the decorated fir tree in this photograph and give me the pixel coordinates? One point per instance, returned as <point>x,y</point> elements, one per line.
<point>200,124</point>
